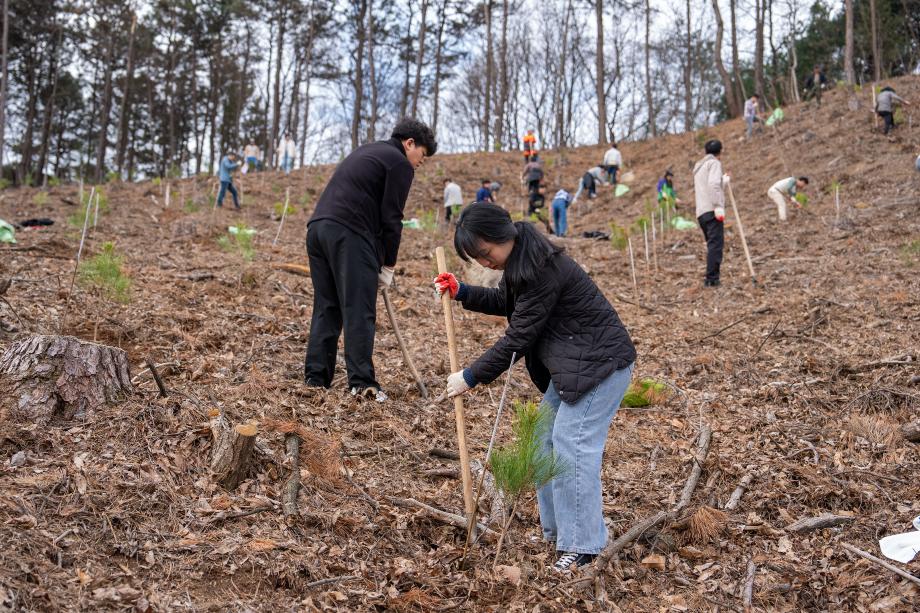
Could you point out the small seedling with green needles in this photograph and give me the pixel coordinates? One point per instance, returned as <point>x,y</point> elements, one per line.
<point>104,272</point>
<point>239,240</point>
<point>524,464</point>
<point>644,392</point>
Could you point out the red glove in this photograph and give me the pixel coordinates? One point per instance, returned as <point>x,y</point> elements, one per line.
<point>720,213</point>
<point>446,282</point>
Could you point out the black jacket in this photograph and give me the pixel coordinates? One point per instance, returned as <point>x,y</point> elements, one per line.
<point>563,325</point>
<point>367,193</point>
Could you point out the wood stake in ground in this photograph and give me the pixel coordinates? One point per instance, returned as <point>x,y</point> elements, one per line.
<point>391,313</point>
<point>292,485</point>
<point>287,198</point>
<point>465,475</point>
<point>231,449</point>
<point>632,267</point>
<point>747,253</point>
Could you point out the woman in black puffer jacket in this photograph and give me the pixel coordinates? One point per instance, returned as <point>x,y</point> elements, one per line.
<point>577,351</point>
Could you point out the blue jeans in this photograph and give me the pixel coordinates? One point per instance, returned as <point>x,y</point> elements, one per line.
<point>287,163</point>
<point>571,508</point>
<point>227,186</point>
<point>559,218</point>
<point>253,162</point>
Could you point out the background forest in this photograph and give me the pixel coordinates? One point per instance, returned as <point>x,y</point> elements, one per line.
<point>109,89</point>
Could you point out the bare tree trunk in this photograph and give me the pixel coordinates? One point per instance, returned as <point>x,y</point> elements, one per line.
<point>599,74</point>
<point>420,58</point>
<point>487,102</point>
<point>688,76</point>
<point>648,70</point>
<point>267,151</point>
<point>45,139</point>
<point>104,111</point>
<point>876,51</point>
<point>125,101</point>
<point>308,62</point>
<point>404,100</point>
<point>558,102</point>
<point>502,80</point>
<point>741,95</point>
<point>372,74</point>
<point>793,66</point>
<point>276,108</point>
<point>438,58</point>
<point>4,74</point>
<point>848,47</point>
<point>358,81</point>
<point>760,10</point>
<point>730,99</point>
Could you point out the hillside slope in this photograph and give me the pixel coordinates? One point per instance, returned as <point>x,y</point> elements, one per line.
<point>805,378</point>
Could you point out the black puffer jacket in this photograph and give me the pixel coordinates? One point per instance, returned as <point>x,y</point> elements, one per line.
<point>562,324</point>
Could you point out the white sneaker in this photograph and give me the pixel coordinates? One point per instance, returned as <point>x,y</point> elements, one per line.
<point>370,392</point>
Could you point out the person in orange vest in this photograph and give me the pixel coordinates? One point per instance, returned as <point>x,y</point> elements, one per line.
<point>530,145</point>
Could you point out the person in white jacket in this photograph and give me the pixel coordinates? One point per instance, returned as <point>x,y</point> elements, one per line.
<point>785,189</point>
<point>285,153</point>
<point>453,200</point>
<point>708,179</point>
<point>613,159</point>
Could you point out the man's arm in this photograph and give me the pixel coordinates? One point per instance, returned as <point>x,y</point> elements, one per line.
<point>715,184</point>
<point>395,192</point>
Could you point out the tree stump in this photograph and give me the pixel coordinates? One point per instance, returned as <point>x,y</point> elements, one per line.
<point>231,449</point>
<point>46,377</point>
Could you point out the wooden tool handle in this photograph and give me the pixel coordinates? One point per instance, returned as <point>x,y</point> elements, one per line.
<point>747,253</point>
<point>468,501</point>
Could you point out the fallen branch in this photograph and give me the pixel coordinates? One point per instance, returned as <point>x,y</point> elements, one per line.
<point>825,520</point>
<point>292,486</point>
<point>735,498</point>
<point>748,594</point>
<point>224,515</point>
<point>447,454</point>
<point>723,329</point>
<point>881,562</point>
<point>904,360</point>
<point>296,269</point>
<point>156,377</point>
<point>623,298</point>
<point>329,580</point>
<point>614,548</point>
<point>452,519</point>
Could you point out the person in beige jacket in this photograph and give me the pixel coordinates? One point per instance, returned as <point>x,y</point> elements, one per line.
<point>710,208</point>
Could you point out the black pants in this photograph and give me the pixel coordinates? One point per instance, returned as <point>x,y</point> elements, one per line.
<point>888,116</point>
<point>344,269</point>
<point>714,232</point>
<point>589,183</point>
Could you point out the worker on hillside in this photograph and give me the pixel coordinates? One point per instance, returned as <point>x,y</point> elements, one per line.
<point>286,152</point>
<point>785,189</point>
<point>253,157</point>
<point>589,181</point>
<point>710,207</point>
<point>353,240</point>
<point>530,145</point>
<point>561,202</point>
<point>577,352</point>
<point>453,200</point>
<point>815,84</point>
<point>484,194</point>
<point>533,176</point>
<point>751,113</point>
<point>884,106</point>
<point>665,189</point>
<point>228,164</point>
<point>613,160</point>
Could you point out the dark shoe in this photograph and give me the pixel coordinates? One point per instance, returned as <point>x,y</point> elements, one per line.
<point>712,283</point>
<point>569,559</point>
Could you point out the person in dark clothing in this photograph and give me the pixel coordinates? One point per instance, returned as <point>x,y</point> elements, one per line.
<point>815,84</point>
<point>708,181</point>
<point>352,241</point>
<point>885,104</point>
<point>577,352</point>
<point>484,193</point>
<point>533,176</point>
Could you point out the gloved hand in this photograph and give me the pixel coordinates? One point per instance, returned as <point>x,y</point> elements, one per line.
<point>726,179</point>
<point>385,277</point>
<point>795,203</point>
<point>720,213</point>
<point>456,384</point>
<point>446,282</point>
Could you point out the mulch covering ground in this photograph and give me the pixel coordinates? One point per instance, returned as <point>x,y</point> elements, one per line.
<point>804,378</point>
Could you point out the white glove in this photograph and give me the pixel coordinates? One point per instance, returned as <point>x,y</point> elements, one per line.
<point>720,213</point>
<point>385,277</point>
<point>726,179</point>
<point>456,384</point>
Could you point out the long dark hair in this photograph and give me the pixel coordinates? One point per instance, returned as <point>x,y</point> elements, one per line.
<point>491,223</point>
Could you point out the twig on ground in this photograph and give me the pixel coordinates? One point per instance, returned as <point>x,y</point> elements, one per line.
<point>156,378</point>
<point>443,516</point>
<point>880,562</point>
<point>735,498</point>
<point>748,594</point>
<point>322,582</point>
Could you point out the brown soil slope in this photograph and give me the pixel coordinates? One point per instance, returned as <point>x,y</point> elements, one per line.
<point>804,378</point>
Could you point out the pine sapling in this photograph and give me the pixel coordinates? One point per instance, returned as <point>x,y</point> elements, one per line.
<point>525,464</point>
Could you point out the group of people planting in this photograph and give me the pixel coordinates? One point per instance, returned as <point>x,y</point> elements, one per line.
<point>577,351</point>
